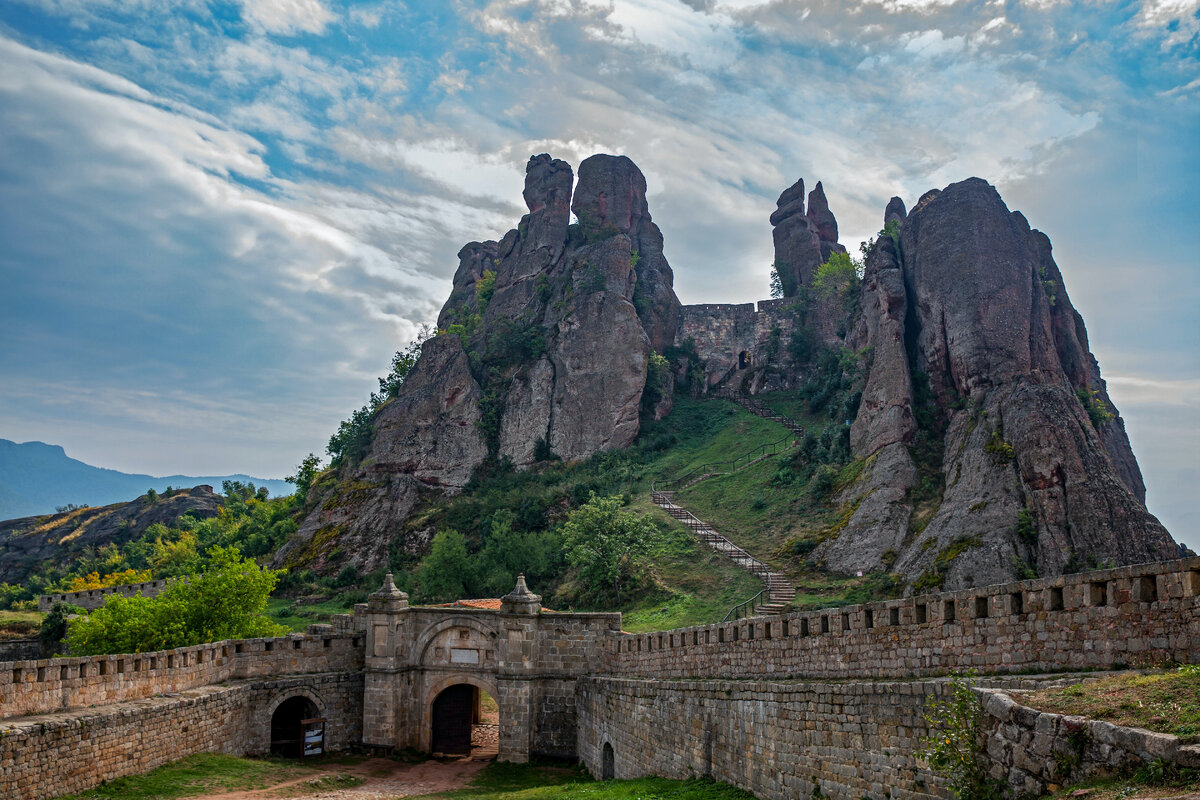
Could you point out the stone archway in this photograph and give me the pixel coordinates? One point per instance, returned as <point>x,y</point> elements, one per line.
<point>445,698</point>
<point>287,733</point>
<point>280,717</point>
<point>608,763</point>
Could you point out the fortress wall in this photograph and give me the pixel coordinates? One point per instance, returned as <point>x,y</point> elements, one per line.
<point>721,332</point>
<point>1143,614</point>
<point>46,685</point>
<point>769,738</point>
<point>90,599</point>
<point>71,751</point>
<point>854,740</point>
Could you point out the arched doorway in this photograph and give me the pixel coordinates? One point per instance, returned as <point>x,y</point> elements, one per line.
<point>465,722</point>
<point>608,763</point>
<point>287,729</point>
<point>743,360</point>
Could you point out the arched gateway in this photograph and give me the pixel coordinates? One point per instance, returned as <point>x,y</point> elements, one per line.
<point>424,665</point>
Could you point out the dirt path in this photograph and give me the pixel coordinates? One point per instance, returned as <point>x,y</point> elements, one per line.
<point>383,779</point>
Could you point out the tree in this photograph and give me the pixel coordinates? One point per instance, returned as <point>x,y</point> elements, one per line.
<point>838,276</point>
<point>446,571</point>
<point>353,436</point>
<point>225,602</point>
<point>403,362</point>
<point>308,470</point>
<point>776,282</point>
<point>604,545</point>
<point>508,552</point>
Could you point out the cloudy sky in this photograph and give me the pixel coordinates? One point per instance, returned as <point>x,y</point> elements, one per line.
<point>219,219</point>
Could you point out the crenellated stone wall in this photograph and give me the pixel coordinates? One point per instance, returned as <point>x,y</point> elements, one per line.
<point>733,340</point>
<point>775,705</point>
<point>48,685</point>
<point>89,599</point>
<point>1138,615</point>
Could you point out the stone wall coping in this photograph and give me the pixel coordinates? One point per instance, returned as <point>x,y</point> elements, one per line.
<point>1146,745</point>
<point>544,614</point>
<point>930,686</point>
<point>187,650</point>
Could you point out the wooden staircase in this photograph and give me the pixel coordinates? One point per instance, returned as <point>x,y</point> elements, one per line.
<point>779,592</point>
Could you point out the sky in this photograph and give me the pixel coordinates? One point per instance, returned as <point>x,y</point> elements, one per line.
<point>218,220</point>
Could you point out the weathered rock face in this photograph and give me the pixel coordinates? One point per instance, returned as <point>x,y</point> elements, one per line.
<point>972,308</point>
<point>612,191</point>
<point>553,358</point>
<point>803,241</point>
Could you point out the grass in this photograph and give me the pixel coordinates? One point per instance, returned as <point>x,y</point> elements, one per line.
<point>542,782</point>
<point>1161,701</point>
<point>20,624</point>
<point>298,617</point>
<point>196,776</point>
<point>697,586</point>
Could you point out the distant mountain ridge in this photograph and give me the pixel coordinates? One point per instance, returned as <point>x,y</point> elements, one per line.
<point>36,478</point>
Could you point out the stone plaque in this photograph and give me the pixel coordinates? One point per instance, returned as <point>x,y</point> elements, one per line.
<point>459,655</point>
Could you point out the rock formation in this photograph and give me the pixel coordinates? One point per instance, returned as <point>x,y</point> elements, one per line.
<point>992,448</point>
<point>803,241</point>
<point>543,347</point>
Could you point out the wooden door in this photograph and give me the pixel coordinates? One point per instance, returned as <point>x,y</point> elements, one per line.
<point>452,710</point>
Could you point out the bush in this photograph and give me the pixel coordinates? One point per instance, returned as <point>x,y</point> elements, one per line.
<point>226,602</point>
<point>953,746</point>
<point>446,571</point>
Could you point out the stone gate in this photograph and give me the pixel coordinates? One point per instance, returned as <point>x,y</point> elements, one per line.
<point>526,658</point>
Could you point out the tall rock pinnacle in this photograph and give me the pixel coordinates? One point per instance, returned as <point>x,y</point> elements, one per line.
<point>543,346</point>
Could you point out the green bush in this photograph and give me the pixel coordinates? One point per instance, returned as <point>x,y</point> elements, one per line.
<point>953,747</point>
<point>604,545</point>
<point>225,602</point>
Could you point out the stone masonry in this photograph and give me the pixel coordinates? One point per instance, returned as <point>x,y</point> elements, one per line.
<point>575,686</point>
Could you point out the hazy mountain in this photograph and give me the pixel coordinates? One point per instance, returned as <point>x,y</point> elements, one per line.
<point>35,478</point>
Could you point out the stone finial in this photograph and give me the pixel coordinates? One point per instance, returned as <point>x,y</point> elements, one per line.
<point>388,598</point>
<point>520,600</point>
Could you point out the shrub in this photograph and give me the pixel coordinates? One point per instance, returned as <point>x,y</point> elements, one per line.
<point>1098,411</point>
<point>225,602</point>
<point>605,545</point>
<point>953,746</point>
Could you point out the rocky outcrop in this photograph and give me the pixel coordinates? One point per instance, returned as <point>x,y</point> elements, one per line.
<point>972,332</point>
<point>803,241</point>
<point>30,543</point>
<point>543,347</point>
<point>612,192</point>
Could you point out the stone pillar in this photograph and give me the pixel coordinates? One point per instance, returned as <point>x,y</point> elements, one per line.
<point>387,611</point>
<point>520,610</point>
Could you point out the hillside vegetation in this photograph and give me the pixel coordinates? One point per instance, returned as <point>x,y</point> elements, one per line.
<point>510,521</point>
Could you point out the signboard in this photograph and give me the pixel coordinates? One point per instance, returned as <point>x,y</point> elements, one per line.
<point>463,656</point>
<point>314,736</point>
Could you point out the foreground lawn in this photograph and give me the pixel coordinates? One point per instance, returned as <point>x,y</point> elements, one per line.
<point>540,782</point>
<point>1165,701</point>
<point>197,776</point>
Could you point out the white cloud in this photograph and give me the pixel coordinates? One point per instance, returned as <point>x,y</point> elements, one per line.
<point>288,17</point>
<point>1178,21</point>
<point>932,44</point>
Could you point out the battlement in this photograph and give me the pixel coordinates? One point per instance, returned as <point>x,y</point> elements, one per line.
<point>48,685</point>
<point>89,599</point>
<point>1140,614</point>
